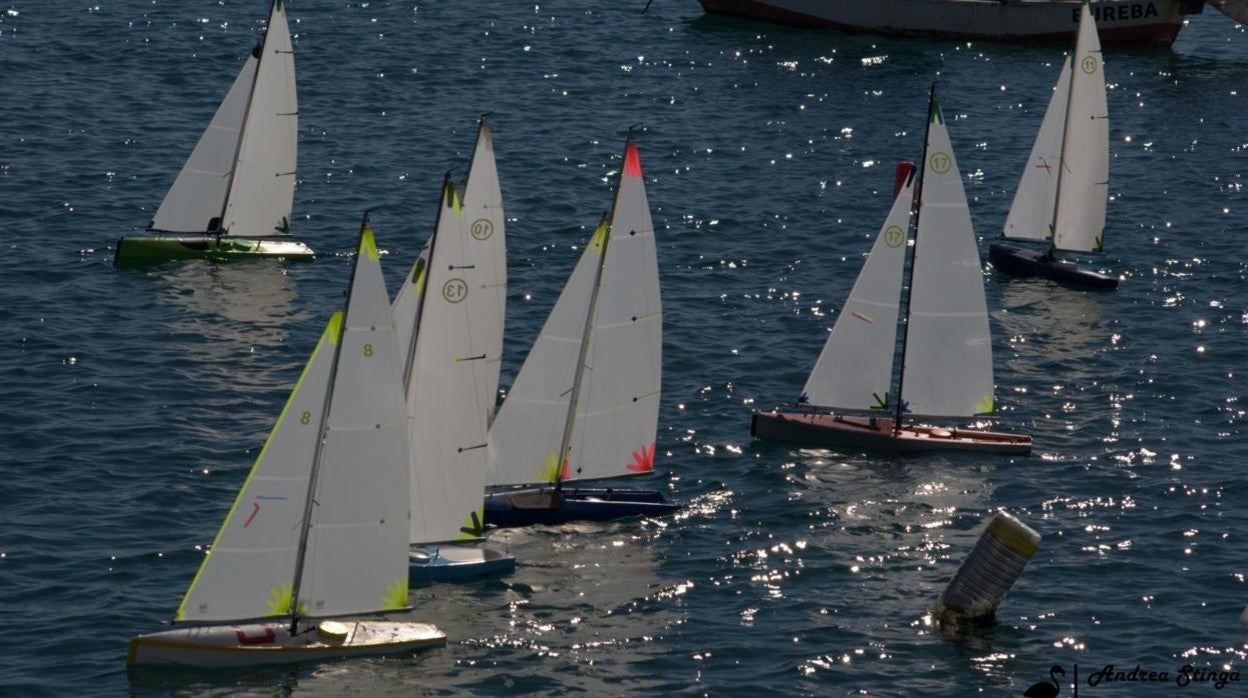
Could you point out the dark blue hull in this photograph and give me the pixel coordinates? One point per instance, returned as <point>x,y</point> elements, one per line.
<point>545,506</point>
<point>1021,262</point>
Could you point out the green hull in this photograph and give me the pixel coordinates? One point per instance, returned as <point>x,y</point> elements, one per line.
<point>165,248</point>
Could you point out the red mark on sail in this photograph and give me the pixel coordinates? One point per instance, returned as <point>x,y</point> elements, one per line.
<point>864,318</point>
<point>255,509</point>
<point>643,462</point>
<point>632,163</point>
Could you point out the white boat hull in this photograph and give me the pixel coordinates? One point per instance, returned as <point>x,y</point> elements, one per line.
<point>215,646</point>
<point>1119,21</point>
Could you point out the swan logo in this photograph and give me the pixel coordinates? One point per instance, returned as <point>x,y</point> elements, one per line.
<point>1048,689</point>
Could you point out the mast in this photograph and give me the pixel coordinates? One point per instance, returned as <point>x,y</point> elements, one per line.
<point>565,443</point>
<point>420,309</point>
<point>1061,166</point>
<point>306,525</point>
<point>242,132</point>
<point>932,110</point>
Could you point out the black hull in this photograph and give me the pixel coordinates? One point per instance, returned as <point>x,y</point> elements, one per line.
<point>545,506</point>
<point>876,434</point>
<point>1028,263</point>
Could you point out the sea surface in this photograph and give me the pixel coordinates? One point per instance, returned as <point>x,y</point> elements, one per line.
<point>133,402</point>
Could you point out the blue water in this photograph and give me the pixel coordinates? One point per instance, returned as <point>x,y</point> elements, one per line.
<point>133,402</point>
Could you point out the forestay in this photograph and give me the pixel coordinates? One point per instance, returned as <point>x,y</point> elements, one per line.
<point>525,438</point>
<point>1083,191</point>
<point>948,359</point>
<point>249,569</point>
<point>198,194</point>
<point>855,368</point>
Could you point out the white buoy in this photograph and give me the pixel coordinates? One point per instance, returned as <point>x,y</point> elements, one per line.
<point>989,571</point>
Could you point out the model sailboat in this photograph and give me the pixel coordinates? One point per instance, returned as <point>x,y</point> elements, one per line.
<point>450,318</point>
<point>319,530</point>
<point>1062,194</point>
<point>233,197</point>
<point>946,355</point>
<point>585,403</point>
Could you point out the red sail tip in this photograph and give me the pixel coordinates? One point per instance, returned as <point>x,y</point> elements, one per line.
<point>632,163</point>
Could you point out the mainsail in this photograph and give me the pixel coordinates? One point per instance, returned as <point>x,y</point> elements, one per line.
<point>947,369</point>
<point>446,427</point>
<point>1083,190</point>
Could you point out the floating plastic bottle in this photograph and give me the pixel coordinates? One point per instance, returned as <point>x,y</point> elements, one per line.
<point>988,572</point>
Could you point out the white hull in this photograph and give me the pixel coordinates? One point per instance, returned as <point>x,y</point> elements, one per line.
<point>1119,21</point>
<point>215,646</point>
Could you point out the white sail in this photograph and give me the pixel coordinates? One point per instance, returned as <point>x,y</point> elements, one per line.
<point>483,214</point>
<point>356,558</point>
<point>198,193</point>
<point>249,569</point>
<point>948,360</point>
<point>1083,191</point>
<point>618,409</point>
<point>1031,214</point>
<point>855,368</point>
<point>263,186</point>
<point>527,433</point>
<point>446,425</point>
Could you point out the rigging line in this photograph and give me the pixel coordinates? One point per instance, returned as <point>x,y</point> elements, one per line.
<point>933,108</point>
